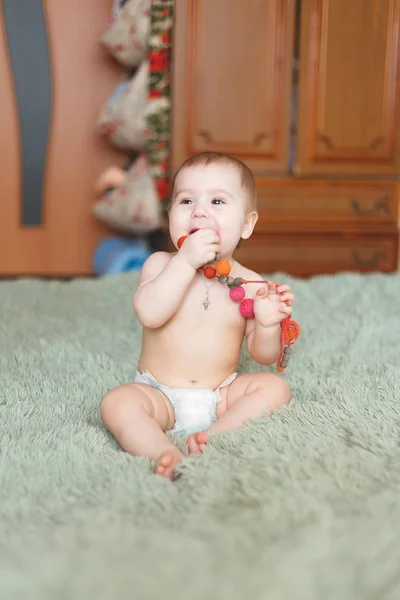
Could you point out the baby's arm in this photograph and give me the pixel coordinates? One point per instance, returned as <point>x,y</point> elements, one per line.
<point>263,343</point>
<point>164,280</point>
<point>162,286</point>
<point>272,304</point>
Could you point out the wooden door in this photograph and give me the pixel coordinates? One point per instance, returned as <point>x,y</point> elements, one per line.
<point>232,67</point>
<point>46,182</point>
<point>348,95</point>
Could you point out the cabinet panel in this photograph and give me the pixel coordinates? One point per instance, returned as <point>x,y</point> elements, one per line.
<point>299,205</point>
<point>232,64</point>
<point>305,255</point>
<point>348,91</point>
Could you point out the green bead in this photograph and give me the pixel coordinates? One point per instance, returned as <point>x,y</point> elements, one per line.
<point>231,282</point>
<point>222,279</point>
<point>238,281</point>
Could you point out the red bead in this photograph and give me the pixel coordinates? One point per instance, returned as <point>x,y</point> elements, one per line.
<point>181,240</point>
<point>246,308</point>
<point>237,294</point>
<point>209,272</point>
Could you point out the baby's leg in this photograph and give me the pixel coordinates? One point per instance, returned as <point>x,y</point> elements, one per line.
<point>249,397</point>
<point>137,415</point>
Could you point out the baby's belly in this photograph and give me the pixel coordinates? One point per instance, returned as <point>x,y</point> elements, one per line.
<point>198,360</point>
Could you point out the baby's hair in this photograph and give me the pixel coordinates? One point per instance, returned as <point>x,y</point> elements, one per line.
<point>217,158</point>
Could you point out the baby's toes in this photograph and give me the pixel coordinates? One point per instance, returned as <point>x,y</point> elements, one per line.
<point>162,463</point>
<point>202,439</point>
<point>166,463</point>
<point>192,444</point>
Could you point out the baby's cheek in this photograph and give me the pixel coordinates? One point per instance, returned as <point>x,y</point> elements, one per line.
<point>174,228</point>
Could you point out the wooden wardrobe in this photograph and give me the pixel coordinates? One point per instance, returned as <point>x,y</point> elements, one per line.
<point>306,93</point>
<point>54,79</point>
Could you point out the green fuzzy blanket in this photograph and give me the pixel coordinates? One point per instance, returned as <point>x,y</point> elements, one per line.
<point>303,505</point>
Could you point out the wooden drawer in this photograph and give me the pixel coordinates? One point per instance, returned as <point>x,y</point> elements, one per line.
<point>304,255</point>
<point>333,205</point>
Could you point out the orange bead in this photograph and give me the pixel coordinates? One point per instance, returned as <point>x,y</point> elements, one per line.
<point>223,267</point>
<point>209,272</point>
<point>181,240</point>
<point>291,331</point>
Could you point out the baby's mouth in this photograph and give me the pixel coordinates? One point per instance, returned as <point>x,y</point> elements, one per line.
<point>193,230</point>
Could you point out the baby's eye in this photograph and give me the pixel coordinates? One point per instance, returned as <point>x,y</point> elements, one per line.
<point>218,201</point>
<point>185,201</point>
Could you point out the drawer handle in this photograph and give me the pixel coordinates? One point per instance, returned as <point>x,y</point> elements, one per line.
<point>259,137</point>
<point>206,135</point>
<point>380,205</point>
<point>367,262</point>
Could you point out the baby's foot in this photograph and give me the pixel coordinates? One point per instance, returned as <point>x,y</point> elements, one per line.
<point>197,442</point>
<point>166,463</point>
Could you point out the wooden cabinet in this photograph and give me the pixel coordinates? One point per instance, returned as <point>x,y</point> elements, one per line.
<point>232,80</point>
<point>328,205</point>
<point>306,93</point>
<point>348,105</point>
<point>327,253</point>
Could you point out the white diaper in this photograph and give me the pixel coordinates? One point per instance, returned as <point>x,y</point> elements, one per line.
<point>195,408</point>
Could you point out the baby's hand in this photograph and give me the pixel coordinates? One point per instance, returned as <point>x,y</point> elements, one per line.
<point>200,248</point>
<point>270,306</point>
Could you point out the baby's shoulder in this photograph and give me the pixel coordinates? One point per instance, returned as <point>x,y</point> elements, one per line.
<point>154,264</point>
<point>250,275</point>
<point>245,273</point>
<point>157,259</point>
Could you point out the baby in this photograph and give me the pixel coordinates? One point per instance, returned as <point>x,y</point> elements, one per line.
<point>187,379</point>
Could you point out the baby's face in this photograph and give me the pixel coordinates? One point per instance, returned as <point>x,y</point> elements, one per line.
<point>210,197</point>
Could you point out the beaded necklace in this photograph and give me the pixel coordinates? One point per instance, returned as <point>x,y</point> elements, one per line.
<point>290,329</point>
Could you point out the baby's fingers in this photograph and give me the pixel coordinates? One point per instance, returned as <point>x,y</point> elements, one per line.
<point>283,288</point>
<point>287,310</point>
<point>288,297</point>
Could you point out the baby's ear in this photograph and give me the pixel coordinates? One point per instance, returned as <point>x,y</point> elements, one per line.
<point>251,220</point>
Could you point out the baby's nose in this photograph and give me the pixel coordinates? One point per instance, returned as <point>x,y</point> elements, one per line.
<point>200,210</point>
